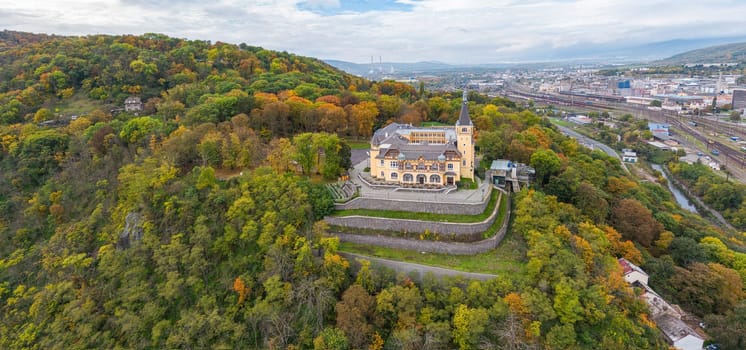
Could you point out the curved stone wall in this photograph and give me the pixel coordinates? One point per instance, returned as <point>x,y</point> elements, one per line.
<point>466,231</point>
<point>455,248</point>
<point>416,206</point>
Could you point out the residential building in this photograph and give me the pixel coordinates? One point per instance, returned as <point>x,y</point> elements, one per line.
<point>669,318</point>
<point>133,104</point>
<point>660,131</point>
<point>580,119</point>
<point>632,272</point>
<point>440,156</point>
<point>739,100</point>
<point>629,156</point>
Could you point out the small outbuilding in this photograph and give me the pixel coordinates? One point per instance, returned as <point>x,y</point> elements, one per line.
<point>133,104</point>
<point>629,156</point>
<point>632,272</point>
<point>505,173</point>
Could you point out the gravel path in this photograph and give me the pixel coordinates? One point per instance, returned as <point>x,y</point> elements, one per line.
<point>418,269</point>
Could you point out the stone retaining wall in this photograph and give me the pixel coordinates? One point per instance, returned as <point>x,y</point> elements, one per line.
<point>455,248</point>
<point>416,206</point>
<point>465,231</point>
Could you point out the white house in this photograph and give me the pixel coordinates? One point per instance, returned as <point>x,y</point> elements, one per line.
<point>632,272</point>
<point>678,334</point>
<point>133,104</point>
<point>667,317</point>
<point>580,119</point>
<point>629,156</point>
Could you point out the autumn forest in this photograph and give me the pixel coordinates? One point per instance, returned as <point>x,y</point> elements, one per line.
<point>196,222</point>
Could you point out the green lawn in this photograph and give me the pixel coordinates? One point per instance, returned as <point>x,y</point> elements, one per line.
<point>508,257</point>
<point>358,144</point>
<point>561,122</point>
<point>467,184</point>
<point>500,216</point>
<point>77,104</point>
<point>394,214</point>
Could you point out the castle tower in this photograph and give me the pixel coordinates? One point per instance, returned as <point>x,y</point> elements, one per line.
<point>465,137</point>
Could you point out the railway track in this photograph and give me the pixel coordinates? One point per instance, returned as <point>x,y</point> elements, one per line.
<point>733,157</point>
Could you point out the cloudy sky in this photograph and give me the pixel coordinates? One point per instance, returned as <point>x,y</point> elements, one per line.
<point>452,31</point>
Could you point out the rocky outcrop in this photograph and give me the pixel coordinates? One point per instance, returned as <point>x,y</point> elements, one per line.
<point>133,231</point>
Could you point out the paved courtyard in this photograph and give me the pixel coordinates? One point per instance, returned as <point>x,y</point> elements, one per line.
<point>360,162</point>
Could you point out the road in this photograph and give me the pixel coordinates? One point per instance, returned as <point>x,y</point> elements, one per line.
<point>574,134</point>
<point>583,139</point>
<point>419,269</point>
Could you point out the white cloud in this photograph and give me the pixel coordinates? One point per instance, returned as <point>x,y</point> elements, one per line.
<point>321,3</point>
<point>445,30</point>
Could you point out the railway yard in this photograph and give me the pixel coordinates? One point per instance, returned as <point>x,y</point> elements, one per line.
<point>720,139</point>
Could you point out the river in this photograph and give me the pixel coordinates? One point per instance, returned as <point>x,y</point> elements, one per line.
<point>680,198</point>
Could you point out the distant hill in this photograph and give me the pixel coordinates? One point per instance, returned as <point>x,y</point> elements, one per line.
<point>580,53</point>
<point>363,69</point>
<point>10,39</point>
<point>728,53</point>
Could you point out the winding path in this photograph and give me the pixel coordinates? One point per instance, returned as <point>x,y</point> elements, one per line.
<point>419,269</point>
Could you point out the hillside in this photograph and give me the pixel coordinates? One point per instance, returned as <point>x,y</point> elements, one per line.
<point>727,53</point>
<point>110,68</point>
<point>194,220</point>
<point>10,39</point>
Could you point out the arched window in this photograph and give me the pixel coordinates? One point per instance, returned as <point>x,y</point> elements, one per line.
<point>421,178</point>
<point>408,178</point>
<point>434,179</point>
<point>394,176</point>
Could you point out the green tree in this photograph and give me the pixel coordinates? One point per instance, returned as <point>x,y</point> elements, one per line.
<point>43,114</point>
<point>469,325</point>
<point>331,338</point>
<point>546,163</point>
<point>491,144</point>
<point>305,151</point>
<point>729,330</point>
<point>686,251</point>
<point>136,129</point>
<point>590,200</point>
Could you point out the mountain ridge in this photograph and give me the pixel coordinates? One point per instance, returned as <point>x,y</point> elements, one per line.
<point>725,53</point>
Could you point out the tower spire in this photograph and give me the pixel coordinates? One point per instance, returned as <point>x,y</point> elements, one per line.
<point>463,117</point>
